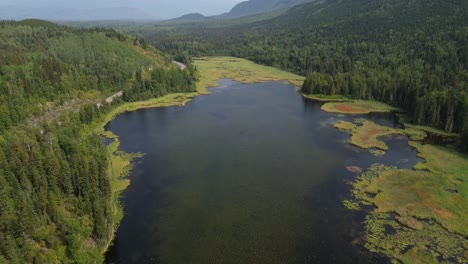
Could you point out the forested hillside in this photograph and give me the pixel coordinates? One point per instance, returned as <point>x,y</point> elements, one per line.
<point>252,7</point>
<point>410,54</point>
<point>55,192</point>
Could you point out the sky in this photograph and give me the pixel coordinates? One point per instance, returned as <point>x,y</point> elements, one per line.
<point>154,8</point>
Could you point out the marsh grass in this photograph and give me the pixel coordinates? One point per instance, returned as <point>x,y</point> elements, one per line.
<point>326,98</point>
<point>415,134</point>
<point>430,130</point>
<point>366,134</point>
<point>357,107</point>
<point>426,208</point>
<point>120,165</point>
<point>214,68</point>
<point>429,243</point>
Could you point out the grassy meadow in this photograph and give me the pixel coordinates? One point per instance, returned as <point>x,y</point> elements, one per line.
<point>214,68</point>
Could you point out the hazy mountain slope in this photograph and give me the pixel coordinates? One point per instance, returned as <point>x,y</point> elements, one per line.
<point>253,10</point>
<point>406,15</point>
<point>188,18</point>
<point>252,7</point>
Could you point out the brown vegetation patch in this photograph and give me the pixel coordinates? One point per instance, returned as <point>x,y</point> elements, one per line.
<point>374,131</point>
<point>345,108</point>
<point>354,169</point>
<point>366,134</point>
<point>356,107</point>
<point>427,202</point>
<point>410,222</point>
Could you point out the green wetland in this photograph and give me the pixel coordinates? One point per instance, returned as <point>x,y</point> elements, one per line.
<point>253,173</point>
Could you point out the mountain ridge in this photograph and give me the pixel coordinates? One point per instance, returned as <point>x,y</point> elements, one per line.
<point>250,8</point>
<point>253,7</point>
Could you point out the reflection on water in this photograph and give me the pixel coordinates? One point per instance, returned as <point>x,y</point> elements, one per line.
<point>250,174</point>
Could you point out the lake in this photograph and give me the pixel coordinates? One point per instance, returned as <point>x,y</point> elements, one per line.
<point>252,173</point>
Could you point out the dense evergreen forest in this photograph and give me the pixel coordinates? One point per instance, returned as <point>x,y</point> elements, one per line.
<point>410,54</point>
<point>55,194</point>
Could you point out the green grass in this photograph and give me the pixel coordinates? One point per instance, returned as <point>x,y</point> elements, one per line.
<point>241,70</point>
<point>357,107</point>
<point>415,134</point>
<point>411,128</point>
<point>326,98</point>
<point>430,130</point>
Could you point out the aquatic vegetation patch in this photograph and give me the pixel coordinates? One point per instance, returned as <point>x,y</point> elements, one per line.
<point>344,125</point>
<point>357,107</point>
<point>351,205</point>
<point>364,134</point>
<point>429,243</point>
<point>420,215</point>
<point>354,169</point>
<point>377,152</point>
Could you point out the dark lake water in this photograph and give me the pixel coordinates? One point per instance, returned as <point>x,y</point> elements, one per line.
<point>249,174</point>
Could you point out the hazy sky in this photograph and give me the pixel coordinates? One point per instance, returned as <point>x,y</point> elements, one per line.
<point>155,8</point>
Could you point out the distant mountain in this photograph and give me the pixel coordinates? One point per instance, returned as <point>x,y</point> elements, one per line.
<point>67,14</point>
<point>193,17</point>
<point>252,7</point>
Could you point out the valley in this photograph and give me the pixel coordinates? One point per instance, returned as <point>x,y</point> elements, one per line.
<point>286,131</point>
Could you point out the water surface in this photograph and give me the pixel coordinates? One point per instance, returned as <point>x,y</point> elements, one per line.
<point>249,174</point>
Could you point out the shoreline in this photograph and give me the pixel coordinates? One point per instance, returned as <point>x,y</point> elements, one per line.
<point>210,74</point>
<point>206,82</point>
<point>121,163</point>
